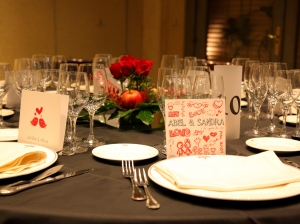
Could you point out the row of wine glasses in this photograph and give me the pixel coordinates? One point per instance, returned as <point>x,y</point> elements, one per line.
<point>280,85</point>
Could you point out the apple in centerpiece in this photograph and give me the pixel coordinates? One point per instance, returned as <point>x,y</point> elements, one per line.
<point>131,98</point>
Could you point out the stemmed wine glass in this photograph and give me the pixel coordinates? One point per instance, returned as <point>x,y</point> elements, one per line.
<point>286,91</point>
<point>257,87</point>
<point>201,83</point>
<point>98,94</point>
<point>246,73</point>
<point>76,85</point>
<point>167,60</point>
<point>6,81</point>
<point>217,87</point>
<point>296,80</point>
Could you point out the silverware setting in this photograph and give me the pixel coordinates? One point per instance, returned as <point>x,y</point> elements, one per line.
<point>128,172</point>
<point>9,190</point>
<point>291,163</point>
<point>142,180</point>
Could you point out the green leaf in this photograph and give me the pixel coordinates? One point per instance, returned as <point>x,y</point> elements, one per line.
<point>145,116</point>
<point>123,113</point>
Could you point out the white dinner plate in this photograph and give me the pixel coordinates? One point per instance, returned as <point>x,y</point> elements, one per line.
<point>9,134</point>
<point>274,144</point>
<point>6,112</point>
<point>243,103</point>
<point>124,151</point>
<point>51,157</point>
<point>270,193</point>
<point>292,119</point>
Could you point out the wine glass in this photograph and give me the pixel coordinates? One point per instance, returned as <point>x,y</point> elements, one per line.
<point>6,81</point>
<point>78,89</point>
<point>296,80</point>
<point>286,91</point>
<point>108,56</point>
<point>167,60</point>
<point>178,63</point>
<point>98,94</point>
<point>24,77</point>
<point>56,60</point>
<point>193,71</point>
<point>41,61</point>
<point>190,61</point>
<point>257,87</point>
<point>247,72</point>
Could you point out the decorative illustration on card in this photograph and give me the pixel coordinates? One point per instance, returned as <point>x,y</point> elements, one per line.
<point>195,127</point>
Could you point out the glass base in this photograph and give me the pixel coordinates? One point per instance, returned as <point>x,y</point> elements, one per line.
<point>67,150</point>
<point>271,130</point>
<point>93,143</point>
<point>256,133</point>
<point>80,149</point>
<point>162,148</point>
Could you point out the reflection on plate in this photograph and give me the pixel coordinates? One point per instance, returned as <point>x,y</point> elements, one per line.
<point>262,194</point>
<point>9,134</point>
<point>274,144</point>
<point>125,151</point>
<point>51,157</point>
<point>292,119</point>
<point>243,103</point>
<point>6,112</point>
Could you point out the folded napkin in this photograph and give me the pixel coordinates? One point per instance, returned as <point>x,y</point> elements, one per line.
<point>227,173</point>
<point>16,160</point>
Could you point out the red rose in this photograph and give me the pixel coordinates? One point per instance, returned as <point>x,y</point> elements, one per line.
<point>116,70</point>
<point>126,67</point>
<point>127,58</point>
<point>143,67</point>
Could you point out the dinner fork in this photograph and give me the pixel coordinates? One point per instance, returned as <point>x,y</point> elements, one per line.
<point>128,172</point>
<point>143,181</point>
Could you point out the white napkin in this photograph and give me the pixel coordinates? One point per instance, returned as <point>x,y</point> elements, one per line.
<point>16,160</point>
<point>228,173</point>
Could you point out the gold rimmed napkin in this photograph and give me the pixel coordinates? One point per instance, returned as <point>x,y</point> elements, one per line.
<point>227,173</point>
<point>16,160</point>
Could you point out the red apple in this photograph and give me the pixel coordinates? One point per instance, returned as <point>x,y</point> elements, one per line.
<point>131,98</point>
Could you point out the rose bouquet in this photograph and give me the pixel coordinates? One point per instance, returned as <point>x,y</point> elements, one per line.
<point>135,102</point>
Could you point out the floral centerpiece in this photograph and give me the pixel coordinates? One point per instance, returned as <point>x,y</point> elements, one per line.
<point>136,102</point>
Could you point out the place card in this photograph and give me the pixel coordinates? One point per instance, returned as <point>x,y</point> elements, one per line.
<point>43,119</point>
<point>195,127</point>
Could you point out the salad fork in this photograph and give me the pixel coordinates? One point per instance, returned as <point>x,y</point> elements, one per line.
<point>143,181</point>
<point>128,172</point>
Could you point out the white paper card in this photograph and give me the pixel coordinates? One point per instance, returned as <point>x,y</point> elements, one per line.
<point>232,76</point>
<point>195,127</point>
<point>43,119</point>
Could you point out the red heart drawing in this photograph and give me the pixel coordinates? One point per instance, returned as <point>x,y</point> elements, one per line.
<point>170,107</point>
<point>206,138</point>
<point>39,111</point>
<point>217,104</point>
<point>213,150</point>
<point>213,134</point>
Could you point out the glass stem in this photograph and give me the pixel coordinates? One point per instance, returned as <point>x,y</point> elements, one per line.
<point>257,112</point>
<point>91,116</point>
<point>272,124</point>
<point>73,120</point>
<point>1,117</point>
<point>283,129</point>
<point>298,121</point>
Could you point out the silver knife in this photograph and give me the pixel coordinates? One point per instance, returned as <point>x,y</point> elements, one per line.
<point>43,175</point>
<point>291,163</point>
<point>15,189</point>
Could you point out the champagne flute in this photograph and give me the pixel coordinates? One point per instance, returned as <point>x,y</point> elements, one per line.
<point>78,89</point>
<point>286,91</point>
<point>296,80</point>
<point>247,72</point>
<point>98,94</point>
<point>6,81</point>
<point>65,70</point>
<point>257,87</point>
<point>217,87</point>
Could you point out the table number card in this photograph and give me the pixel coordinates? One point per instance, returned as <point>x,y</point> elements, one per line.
<point>43,119</point>
<point>195,127</point>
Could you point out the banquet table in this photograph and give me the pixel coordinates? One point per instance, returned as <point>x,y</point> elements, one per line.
<point>104,195</point>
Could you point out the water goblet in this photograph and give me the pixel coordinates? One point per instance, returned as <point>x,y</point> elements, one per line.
<point>98,94</point>
<point>286,91</point>
<point>257,87</point>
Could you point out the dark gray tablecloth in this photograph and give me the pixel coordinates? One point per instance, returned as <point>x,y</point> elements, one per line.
<point>103,196</point>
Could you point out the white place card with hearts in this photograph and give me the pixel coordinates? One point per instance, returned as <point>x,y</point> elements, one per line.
<point>195,127</point>
<point>43,119</point>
